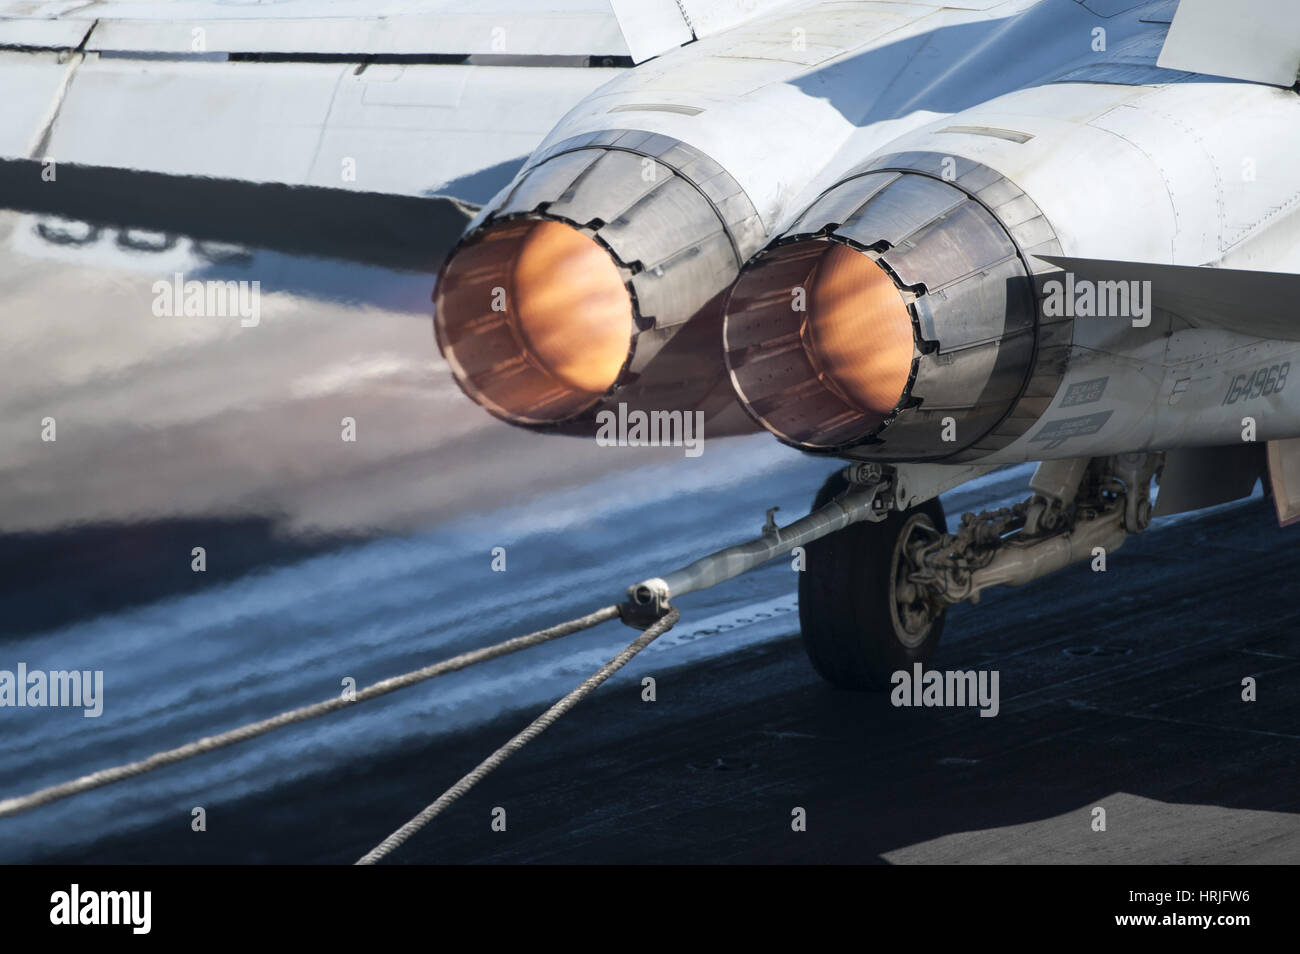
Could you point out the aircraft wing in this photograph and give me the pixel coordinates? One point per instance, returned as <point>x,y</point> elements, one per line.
<point>323,124</point>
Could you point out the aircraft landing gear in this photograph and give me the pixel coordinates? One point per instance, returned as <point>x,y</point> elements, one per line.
<point>861,618</point>
<point>872,595</point>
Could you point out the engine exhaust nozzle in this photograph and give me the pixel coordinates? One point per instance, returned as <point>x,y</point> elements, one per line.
<point>535,320</point>
<point>820,344</point>
<point>894,320</point>
<point>597,277</point>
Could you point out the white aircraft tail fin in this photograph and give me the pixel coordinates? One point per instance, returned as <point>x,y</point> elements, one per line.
<point>1255,40</point>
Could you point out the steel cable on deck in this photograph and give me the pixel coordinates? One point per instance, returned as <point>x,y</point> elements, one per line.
<point>534,729</point>
<point>12,806</point>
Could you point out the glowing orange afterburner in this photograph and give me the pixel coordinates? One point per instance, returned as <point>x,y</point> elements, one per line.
<point>819,342</point>
<point>858,333</point>
<point>534,319</point>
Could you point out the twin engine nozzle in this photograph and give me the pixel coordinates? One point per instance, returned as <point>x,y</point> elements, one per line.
<point>896,319</point>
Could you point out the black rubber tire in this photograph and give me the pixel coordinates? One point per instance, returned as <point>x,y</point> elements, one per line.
<point>844,600</point>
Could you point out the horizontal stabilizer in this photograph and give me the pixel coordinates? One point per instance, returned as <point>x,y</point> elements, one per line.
<point>1262,304</point>
<point>407,233</point>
